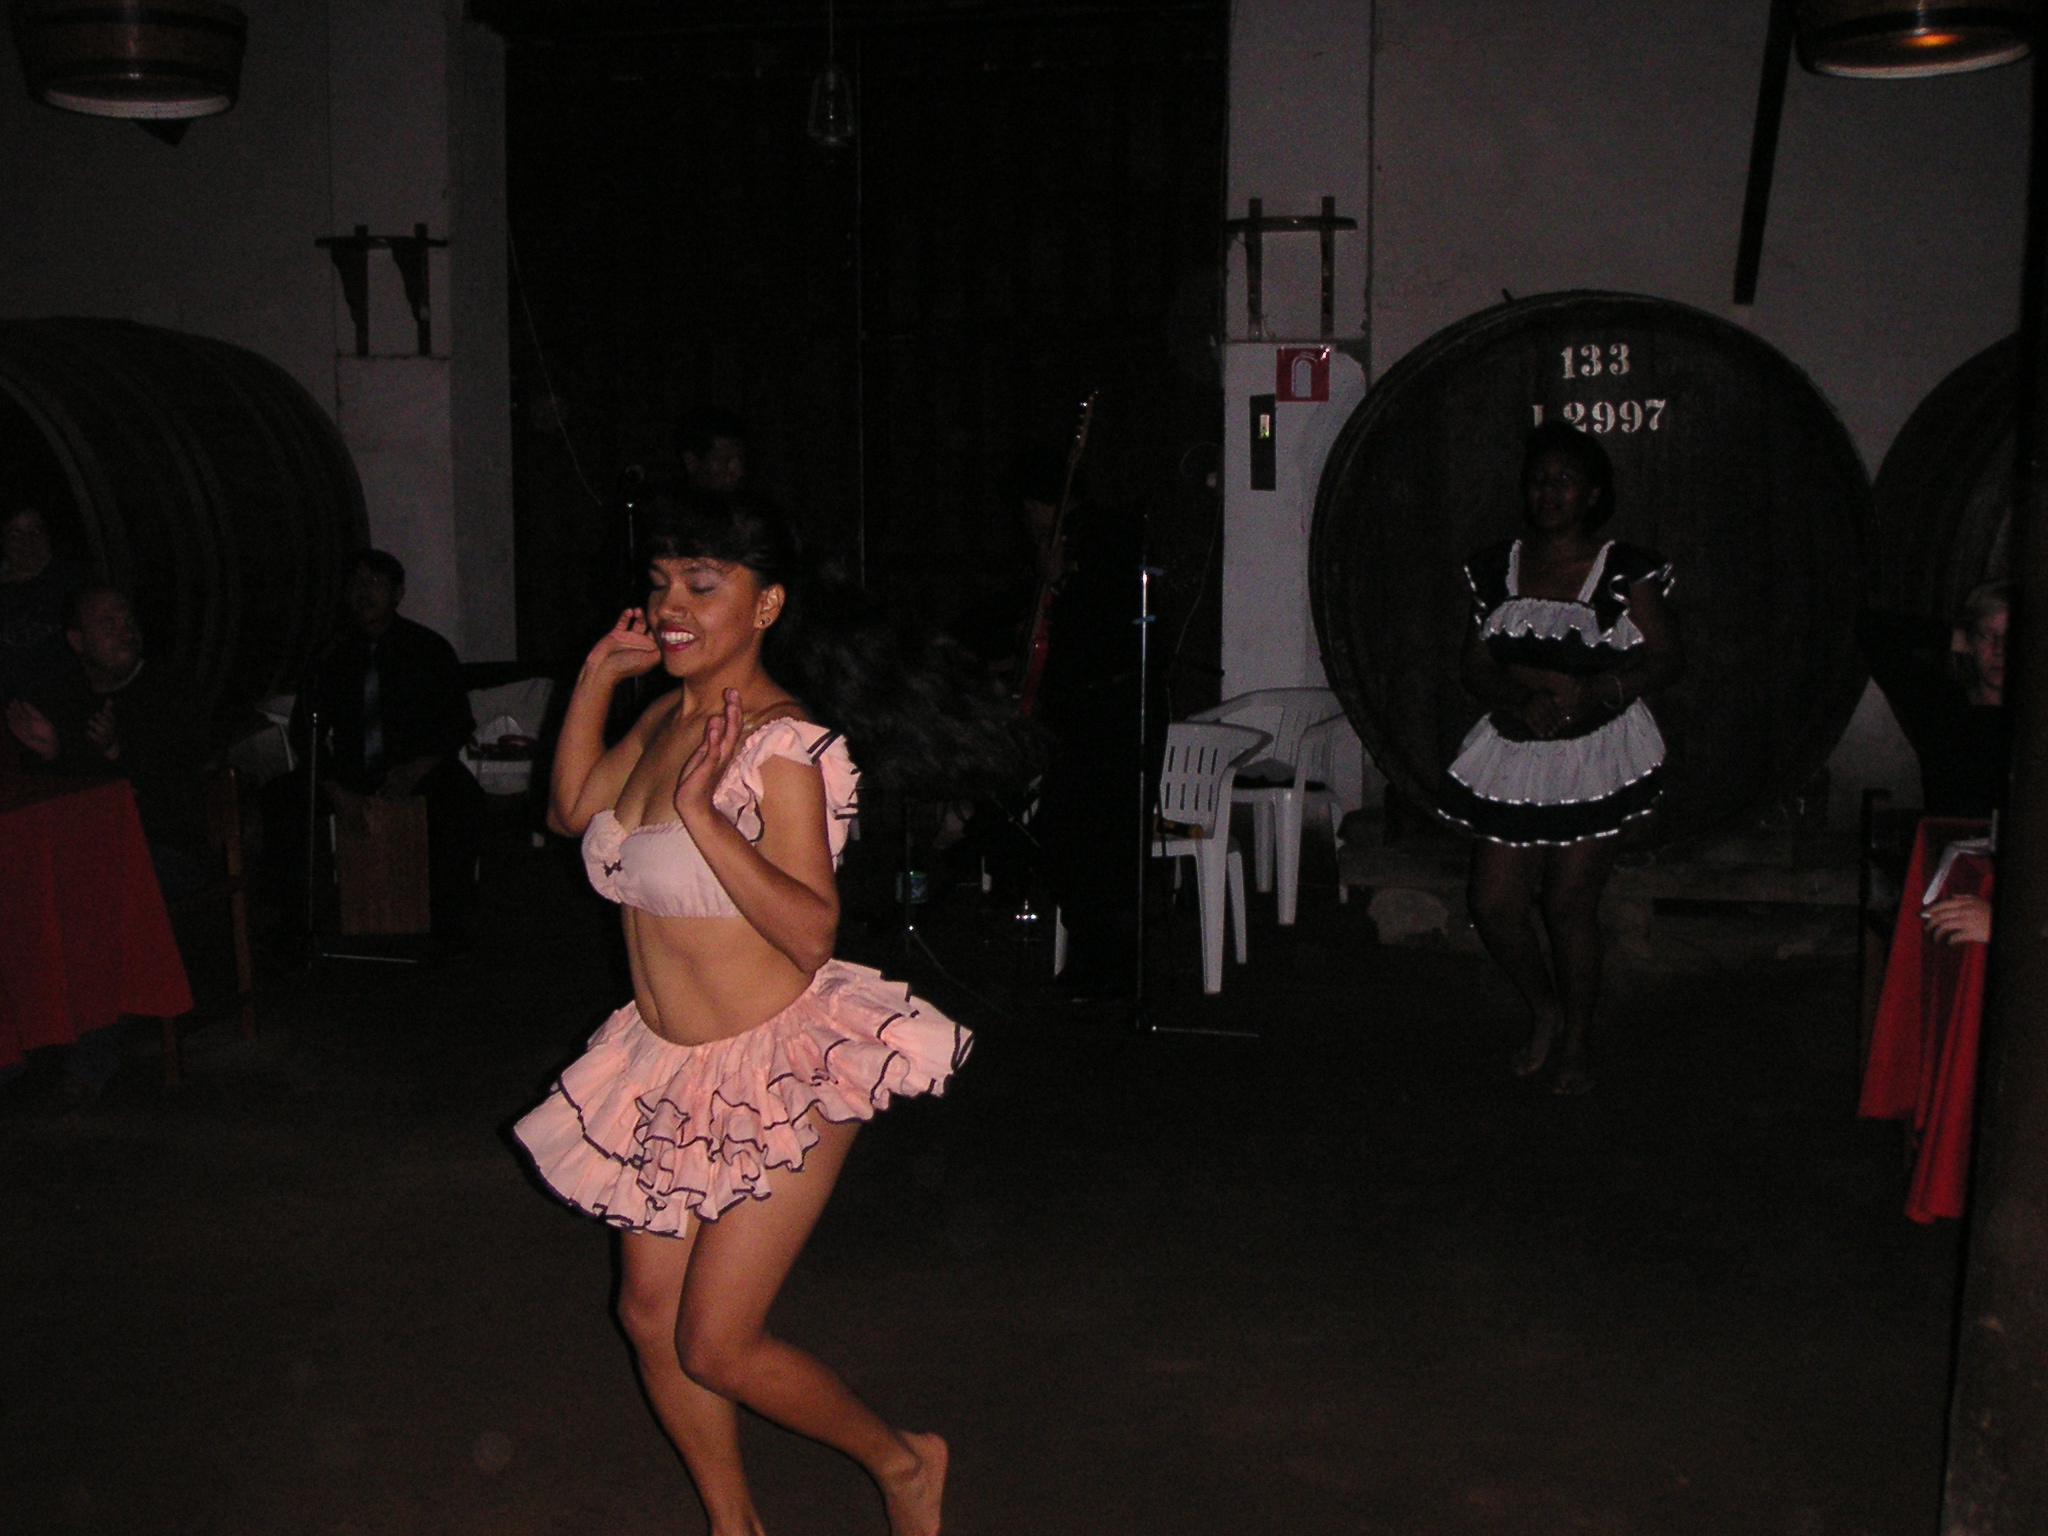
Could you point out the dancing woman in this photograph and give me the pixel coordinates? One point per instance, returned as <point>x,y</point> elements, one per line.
<point>711,1115</point>
<point>1568,633</point>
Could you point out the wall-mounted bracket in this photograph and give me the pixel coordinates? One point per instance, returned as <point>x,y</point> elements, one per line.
<point>351,256</point>
<point>1763,147</point>
<point>1256,227</point>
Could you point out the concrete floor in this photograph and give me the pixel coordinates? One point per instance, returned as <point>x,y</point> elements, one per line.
<point>1348,1277</point>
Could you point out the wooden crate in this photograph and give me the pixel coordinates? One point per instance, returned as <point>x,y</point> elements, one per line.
<point>380,865</point>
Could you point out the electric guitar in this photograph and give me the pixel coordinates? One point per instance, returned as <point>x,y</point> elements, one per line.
<point>1039,642</point>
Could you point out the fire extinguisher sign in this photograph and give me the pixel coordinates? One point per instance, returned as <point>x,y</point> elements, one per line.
<point>1301,373</point>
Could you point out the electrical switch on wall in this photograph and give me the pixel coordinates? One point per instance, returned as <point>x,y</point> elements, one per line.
<point>1265,424</point>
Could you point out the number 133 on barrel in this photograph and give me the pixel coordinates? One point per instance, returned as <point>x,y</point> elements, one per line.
<point>1590,360</point>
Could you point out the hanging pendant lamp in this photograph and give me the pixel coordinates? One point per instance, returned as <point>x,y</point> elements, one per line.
<point>1904,39</point>
<point>153,60</point>
<point>831,120</point>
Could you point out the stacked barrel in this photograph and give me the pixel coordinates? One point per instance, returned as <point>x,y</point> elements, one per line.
<point>197,475</point>
<point>1726,458</point>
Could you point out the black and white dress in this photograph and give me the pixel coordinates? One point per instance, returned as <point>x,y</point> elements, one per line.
<point>1513,788</point>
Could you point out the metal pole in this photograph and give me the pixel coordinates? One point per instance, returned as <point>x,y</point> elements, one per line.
<point>1997,1483</point>
<point>312,829</point>
<point>1763,148</point>
<point>1141,1017</point>
<point>909,891</point>
<point>860,321</point>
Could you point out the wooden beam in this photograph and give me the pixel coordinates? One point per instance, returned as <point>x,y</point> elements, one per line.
<point>1763,148</point>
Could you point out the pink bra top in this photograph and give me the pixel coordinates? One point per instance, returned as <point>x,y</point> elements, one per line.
<point>658,868</point>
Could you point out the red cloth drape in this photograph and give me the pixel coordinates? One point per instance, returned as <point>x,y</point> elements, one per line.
<point>84,937</point>
<point>1923,1048</point>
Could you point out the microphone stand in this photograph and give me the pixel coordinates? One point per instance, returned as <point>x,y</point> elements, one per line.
<point>312,824</point>
<point>632,481</point>
<point>1141,1008</point>
<point>1141,1014</point>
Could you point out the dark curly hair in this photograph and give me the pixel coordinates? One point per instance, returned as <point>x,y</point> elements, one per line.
<point>1585,452</point>
<point>921,715</point>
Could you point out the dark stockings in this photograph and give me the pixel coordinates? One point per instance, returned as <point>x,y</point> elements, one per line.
<point>1509,885</point>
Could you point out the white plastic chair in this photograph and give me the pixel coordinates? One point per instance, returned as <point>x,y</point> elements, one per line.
<point>511,709</point>
<point>1202,760</point>
<point>519,708</point>
<point>1286,715</point>
<point>1331,780</point>
<point>1194,798</point>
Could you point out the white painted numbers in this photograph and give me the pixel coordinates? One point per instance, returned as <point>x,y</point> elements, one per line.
<point>1590,360</point>
<point>1614,415</point>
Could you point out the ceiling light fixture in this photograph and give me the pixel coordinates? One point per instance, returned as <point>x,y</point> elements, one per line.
<point>831,121</point>
<point>1906,39</point>
<point>154,61</point>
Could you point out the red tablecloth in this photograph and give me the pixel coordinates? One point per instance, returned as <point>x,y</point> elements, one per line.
<point>84,937</point>
<point>1923,1048</point>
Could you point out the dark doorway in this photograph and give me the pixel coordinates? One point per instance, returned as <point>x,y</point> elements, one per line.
<point>1029,212</point>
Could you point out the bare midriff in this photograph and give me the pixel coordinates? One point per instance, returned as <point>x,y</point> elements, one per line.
<point>697,979</point>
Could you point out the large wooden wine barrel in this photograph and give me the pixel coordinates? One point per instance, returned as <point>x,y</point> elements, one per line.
<point>1943,503</point>
<point>1726,459</point>
<point>196,475</point>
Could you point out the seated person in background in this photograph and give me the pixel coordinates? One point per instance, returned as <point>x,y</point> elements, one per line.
<point>713,445</point>
<point>393,715</point>
<point>114,713</point>
<point>1022,556</point>
<point>35,585</point>
<point>1946,685</point>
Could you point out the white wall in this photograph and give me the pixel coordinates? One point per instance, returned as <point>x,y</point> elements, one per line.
<point>478,315</point>
<point>214,236</point>
<point>1551,144</point>
<point>380,112</point>
<point>1268,632</point>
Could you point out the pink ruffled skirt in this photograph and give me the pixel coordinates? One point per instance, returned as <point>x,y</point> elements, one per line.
<point>646,1133</point>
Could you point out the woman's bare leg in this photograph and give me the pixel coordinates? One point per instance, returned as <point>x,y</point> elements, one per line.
<point>1573,878</point>
<point>721,1337</point>
<point>1502,895</point>
<point>703,1426</point>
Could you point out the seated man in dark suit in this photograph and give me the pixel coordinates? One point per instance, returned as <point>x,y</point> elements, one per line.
<point>393,717</point>
<point>115,714</point>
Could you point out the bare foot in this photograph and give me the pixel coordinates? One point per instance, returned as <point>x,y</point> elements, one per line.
<point>1530,1058</point>
<point>913,1498</point>
<point>1572,1078</point>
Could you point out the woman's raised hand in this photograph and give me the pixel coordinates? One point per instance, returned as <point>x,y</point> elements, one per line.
<point>625,650</point>
<point>1959,920</point>
<point>706,766</point>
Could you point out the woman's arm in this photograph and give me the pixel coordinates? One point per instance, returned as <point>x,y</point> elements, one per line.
<point>587,778</point>
<point>1558,700</point>
<point>1486,679</point>
<point>784,884</point>
<point>1498,688</point>
<point>1657,663</point>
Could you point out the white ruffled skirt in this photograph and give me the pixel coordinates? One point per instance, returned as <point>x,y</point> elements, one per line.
<point>1553,792</point>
